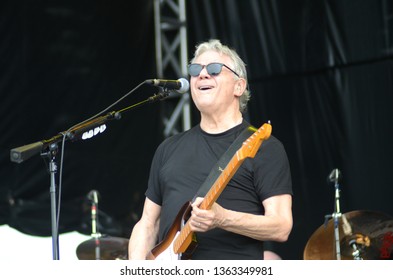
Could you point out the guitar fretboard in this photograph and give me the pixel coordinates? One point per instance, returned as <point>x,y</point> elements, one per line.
<point>184,238</point>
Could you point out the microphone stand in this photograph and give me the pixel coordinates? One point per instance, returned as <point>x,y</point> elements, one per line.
<point>334,177</point>
<point>51,154</point>
<point>48,148</point>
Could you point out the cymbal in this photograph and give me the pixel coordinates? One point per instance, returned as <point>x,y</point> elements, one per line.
<point>366,234</point>
<point>103,248</point>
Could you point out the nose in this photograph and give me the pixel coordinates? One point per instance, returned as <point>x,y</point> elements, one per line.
<point>204,73</point>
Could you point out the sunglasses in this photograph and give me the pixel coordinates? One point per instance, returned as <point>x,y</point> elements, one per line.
<point>213,69</point>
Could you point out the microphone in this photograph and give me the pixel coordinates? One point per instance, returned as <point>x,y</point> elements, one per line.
<point>181,85</point>
<point>93,196</point>
<point>334,176</point>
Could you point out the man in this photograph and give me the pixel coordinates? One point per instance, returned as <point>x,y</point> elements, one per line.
<point>256,205</point>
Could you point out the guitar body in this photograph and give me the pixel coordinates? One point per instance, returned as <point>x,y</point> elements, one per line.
<point>164,250</point>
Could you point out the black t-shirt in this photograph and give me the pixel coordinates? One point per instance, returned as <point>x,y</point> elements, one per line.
<point>181,165</point>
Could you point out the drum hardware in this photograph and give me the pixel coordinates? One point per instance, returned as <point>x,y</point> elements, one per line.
<point>334,177</point>
<point>101,247</point>
<point>355,245</point>
<point>356,235</point>
<point>93,196</point>
<point>356,252</point>
<point>369,228</point>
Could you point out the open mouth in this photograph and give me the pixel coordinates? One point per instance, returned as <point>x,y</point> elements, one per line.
<point>205,87</point>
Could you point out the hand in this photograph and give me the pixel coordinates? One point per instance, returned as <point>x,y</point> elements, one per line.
<point>204,220</point>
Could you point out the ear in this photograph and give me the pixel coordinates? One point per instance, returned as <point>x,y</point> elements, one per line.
<point>240,86</point>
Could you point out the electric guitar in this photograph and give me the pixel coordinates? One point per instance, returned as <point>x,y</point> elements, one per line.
<point>180,240</point>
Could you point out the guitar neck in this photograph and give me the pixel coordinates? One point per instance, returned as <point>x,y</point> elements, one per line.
<point>221,182</point>
<point>184,238</point>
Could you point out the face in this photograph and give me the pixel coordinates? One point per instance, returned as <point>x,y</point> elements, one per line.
<point>215,94</point>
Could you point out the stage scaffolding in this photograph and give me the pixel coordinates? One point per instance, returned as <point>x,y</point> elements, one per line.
<point>171,61</point>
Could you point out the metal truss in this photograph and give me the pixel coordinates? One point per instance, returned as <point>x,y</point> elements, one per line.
<point>172,60</point>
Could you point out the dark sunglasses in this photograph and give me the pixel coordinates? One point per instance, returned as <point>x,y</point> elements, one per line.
<point>213,69</point>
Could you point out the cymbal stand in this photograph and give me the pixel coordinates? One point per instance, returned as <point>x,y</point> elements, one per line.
<point>334,177</point>
<point>93,197</point>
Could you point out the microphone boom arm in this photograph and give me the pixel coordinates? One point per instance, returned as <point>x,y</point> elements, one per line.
<point>25,152</point>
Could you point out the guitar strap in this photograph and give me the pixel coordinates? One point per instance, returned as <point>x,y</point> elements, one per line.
<point>223,161</point>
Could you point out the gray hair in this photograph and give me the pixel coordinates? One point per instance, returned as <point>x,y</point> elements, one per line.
<point>239,65</point>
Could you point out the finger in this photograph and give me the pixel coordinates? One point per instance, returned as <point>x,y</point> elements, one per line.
<point>197,201</point>
<point>197,226</point>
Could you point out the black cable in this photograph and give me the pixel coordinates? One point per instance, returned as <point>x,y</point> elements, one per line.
<point>66,133</point>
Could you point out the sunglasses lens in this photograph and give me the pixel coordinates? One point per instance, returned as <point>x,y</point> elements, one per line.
<point>194,69</point>
<point>214,69</point>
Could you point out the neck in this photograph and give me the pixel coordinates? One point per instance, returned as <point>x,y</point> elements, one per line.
<point>217,124</point>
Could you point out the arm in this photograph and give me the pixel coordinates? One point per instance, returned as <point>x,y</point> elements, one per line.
<point>145,232</point>
<point>275,225</point>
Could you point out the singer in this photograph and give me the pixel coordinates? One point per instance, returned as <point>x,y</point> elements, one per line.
<point>256,204</point>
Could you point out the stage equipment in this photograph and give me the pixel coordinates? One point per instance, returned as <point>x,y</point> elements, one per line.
<point>84,130</point>
<point>366,235</point>
<point>357,235</point>
<point>103,248</point>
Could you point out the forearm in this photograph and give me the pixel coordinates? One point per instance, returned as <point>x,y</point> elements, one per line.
<point>274,225</point>
<point>143,239</point>
<point>260,227</point>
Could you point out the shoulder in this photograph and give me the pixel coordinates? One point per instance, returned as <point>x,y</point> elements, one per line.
<point>272,150</point>
<point>273,143</point>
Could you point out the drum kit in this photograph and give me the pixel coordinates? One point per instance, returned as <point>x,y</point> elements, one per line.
<point>356,235</point>
<point>101,247</point>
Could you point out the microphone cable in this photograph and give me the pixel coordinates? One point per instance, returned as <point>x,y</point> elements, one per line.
<point>63,145</point>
